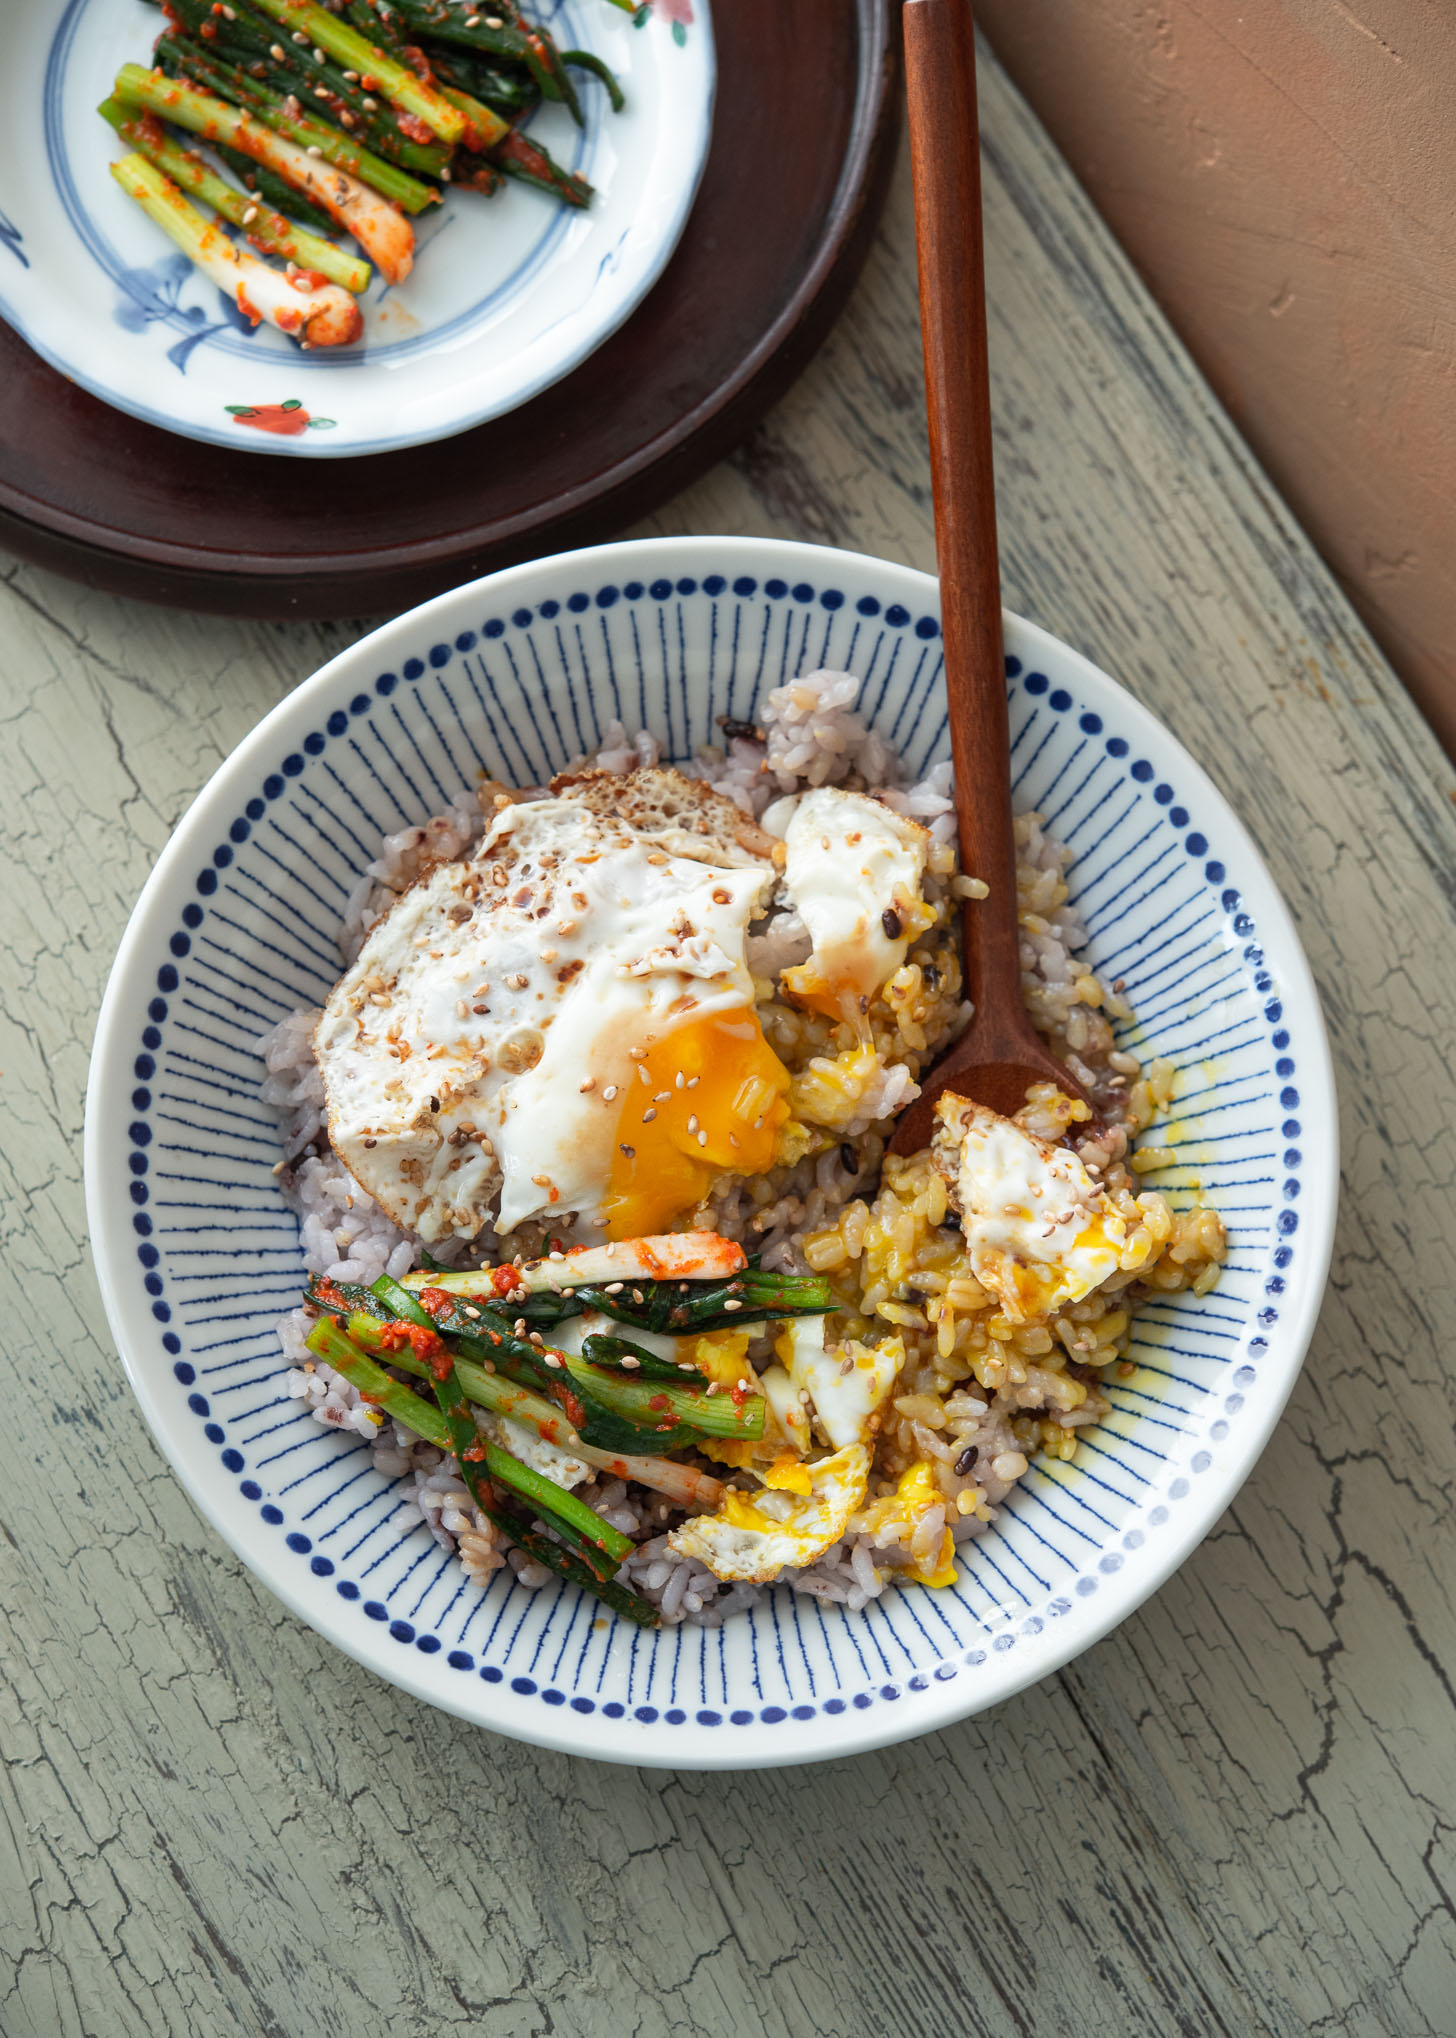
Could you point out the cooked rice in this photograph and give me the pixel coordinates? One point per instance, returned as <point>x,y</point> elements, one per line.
<point>977,1397</point>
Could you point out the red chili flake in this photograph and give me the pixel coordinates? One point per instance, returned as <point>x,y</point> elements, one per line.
<point>477,1452</point>
<point>659,1401</point>
<point>329,1295</point>
<point>425,1344</point>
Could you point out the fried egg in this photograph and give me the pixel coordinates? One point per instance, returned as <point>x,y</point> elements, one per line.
<point>562,1467</point>
<point>847,1385</point>
<point>563,1021</point>
<point>853,871</point>
<point>900,1513</point>
<point>1040,1233</point>
<point>780,1527</point>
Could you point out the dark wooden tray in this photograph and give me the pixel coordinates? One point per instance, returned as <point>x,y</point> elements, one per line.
<point>803,143</point>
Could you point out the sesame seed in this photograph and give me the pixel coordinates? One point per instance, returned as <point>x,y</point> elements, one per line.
<point>555,1256</point>
<point>313,150</point>
<point>712,1387</point>
<point>637,1296</point>
<point>642,1075</point>
<point>320,91</point>
<point>587,1083</point>
<point>615,1287</point>
<point>649,1114</point>
<point>693,1122</point>
<point>608,1093</point>
<point>677,1081</point>
<point>371,105</point>
<point>518,982</point>
<point>250,215</point>
<point>277,52</point>
<point>629,1362</point>
<point>494,21</point>
<point>299,36</point>
<point>661,1096</point>
<point>692,1082</point>
<point>553,1361</point>
<point>542,1182</point>
<point>636,1054</point>
<point>730,1304</point>
<point>702,1139</point>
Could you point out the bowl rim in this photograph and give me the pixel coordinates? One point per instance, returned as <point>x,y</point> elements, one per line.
<point>691,1747</point>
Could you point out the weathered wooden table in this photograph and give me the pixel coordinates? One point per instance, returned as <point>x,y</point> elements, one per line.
<point>1234,1816</point>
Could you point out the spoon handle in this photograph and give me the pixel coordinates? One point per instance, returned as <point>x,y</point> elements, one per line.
<point>940,78</point>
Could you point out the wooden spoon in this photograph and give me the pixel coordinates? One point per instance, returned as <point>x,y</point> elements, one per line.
<point>1000,1054</point>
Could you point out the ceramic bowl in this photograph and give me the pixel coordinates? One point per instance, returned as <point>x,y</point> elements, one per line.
<point>508,293</point>
<point>197,1251</point>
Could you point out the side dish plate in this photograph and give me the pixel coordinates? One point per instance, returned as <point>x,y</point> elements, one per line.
<point>508,294</point>
<point>803,140</point>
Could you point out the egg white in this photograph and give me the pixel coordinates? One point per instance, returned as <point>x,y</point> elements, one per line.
<point>853,870</point>
<point>479,1044</point>
<point>756,1535</point>
<point>1040,1233</point>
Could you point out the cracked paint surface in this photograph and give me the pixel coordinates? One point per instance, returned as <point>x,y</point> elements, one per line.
<point>1232,1817</point>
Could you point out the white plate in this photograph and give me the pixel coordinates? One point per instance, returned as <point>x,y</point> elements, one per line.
<point>197,1253</point>
<point>508,293</point>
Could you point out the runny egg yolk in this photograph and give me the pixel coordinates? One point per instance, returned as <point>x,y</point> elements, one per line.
<point>714,1100</point>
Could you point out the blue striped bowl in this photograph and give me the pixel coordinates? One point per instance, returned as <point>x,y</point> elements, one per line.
<point>197,1253</point>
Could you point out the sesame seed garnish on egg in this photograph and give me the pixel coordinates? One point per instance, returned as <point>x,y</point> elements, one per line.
<point>609,1093</point>
<point>587,1084</point>
<point>649,1114</point>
